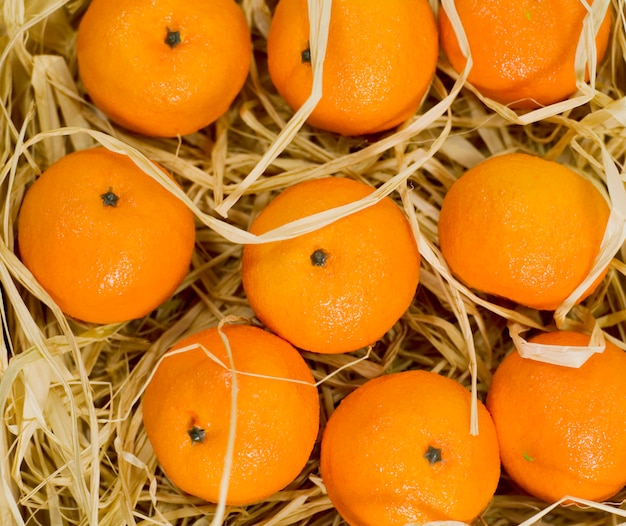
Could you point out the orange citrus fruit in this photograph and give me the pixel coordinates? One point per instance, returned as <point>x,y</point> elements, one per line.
<point>398,450</point>
<point>103,238</point>
<point>562,430</point>
<point>163,67</point>
<point>378,67</point>
<point>522,52</point>
<point>187,413</point>
<point>523,228</point>
<point>340,287</point>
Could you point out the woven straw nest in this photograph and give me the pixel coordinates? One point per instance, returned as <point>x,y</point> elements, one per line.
<point>72,447</point>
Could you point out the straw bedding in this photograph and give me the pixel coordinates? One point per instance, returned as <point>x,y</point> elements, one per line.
<point>72,447</point>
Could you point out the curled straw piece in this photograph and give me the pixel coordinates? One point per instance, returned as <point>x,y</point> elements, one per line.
<point>565,355</point>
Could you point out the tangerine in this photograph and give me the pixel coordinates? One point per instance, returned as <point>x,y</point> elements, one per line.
<point>523,228</point>
<point>163,67</point>
<point>340,287</point>
<point>398,450</point>
<point>576,445</point>
<point>187,411</point>
<point>379,64</point>
<point>523,52</point>
<point>92,230</point>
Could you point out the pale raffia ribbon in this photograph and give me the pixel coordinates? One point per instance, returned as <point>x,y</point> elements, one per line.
<point>614,235</point>
<point>565,355</point>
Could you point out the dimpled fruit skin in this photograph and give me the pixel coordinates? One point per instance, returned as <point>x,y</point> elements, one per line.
<point>373,462</point>
<point>576,443</point>
<point>277,418</point>
<point>366,284</point>
<point>379,64</point>
<point>523,228</point>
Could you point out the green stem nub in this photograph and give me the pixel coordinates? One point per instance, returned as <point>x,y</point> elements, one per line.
<point>306,55</point>
<point>433,455</point>
<point>109,198</point>
<point>172,39</point>
<point>197,435</point>
<point>318,258</point>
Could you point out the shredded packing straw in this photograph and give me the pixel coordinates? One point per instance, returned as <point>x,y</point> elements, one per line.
<point>72,447</point>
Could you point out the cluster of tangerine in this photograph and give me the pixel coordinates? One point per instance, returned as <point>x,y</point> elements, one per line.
<point>397,449</point>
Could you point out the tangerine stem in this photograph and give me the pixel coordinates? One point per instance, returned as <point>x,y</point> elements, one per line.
<point>172,39</point>
<point>109,198</point>
<point>318,258</point>
<point>196,434</point>
<point>433,455</point>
